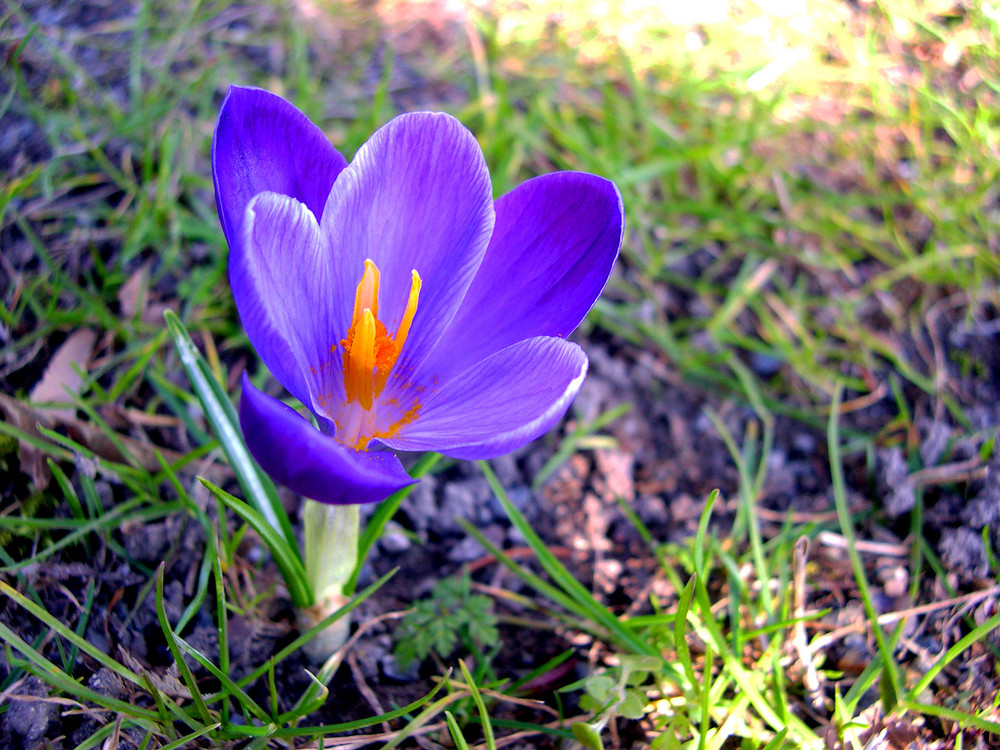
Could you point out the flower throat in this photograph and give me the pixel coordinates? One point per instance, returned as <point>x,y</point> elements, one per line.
<point>370,352</point>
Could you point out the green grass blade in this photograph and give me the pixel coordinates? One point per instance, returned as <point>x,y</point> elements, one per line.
<point>571,442</point>
<point>350,726</point>
<point>584,600</point>
<point>680,622</point>
<point>456,734</point>
<point>891,685</point>
<point>961,719</point>
<point>76,640</point>
<point>109,520</point>
<point>229,687</point>
<point>188,738</point>
<point>973,636</point>
<point>304,637</point>
<point>52,674</point>
<point>182,665</point>
<point>477,698</point>
<point>221,615</point>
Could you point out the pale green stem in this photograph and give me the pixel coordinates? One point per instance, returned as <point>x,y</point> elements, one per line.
<point>331,552</point>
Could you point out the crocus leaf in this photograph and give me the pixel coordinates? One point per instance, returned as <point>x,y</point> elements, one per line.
<point>286,556</point>
<point>257,488</point>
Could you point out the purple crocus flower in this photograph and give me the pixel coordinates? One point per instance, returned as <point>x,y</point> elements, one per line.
<point>395,299</point>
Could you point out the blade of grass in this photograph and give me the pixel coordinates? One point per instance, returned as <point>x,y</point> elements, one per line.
<point>76,640</point>
<point>456,734</point>
<point>680,642</point>
<point>583,599</point>
<point>571,441</point>
<point>973,636</point>
<point>477,698</point>
<point>960,718</point>
<point>250,706</point>
<point>109,520</point>
<point>221,615</point>
<point>69,492</point>
<point>296,644</point>
<point>188,738</point>
<point>41,667</point>
<point>182,665</point>
<point>749,490</point>
<point>350,726</point>
<point>890,670</point>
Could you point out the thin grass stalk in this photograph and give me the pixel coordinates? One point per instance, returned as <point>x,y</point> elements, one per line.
<point>890,669</point>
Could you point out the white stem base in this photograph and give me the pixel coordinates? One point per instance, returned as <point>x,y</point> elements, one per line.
<point>331,638</point>
<point>331,552</point>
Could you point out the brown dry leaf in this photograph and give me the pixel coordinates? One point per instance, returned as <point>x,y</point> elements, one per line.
<point>168,682</point>
<point>62,376</point>
<point>133,294</point>
<point>28,419</point>
<point>32,460</point>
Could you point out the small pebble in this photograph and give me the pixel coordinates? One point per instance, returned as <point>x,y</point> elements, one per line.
<point>394,540</point>
<point>392,670</point>
<point>30,719</point>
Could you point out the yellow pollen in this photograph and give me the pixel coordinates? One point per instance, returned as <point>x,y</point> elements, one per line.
<point>370,352</point>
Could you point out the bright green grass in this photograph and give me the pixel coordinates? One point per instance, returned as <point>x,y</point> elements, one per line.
<point>808,197</point>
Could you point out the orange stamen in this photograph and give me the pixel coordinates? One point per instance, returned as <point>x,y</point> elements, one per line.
<point>411,309</point>
<point>367,293</point>
<point>370,352</point>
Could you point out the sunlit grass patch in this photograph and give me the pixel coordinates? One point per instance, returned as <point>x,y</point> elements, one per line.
<point>798,220</point>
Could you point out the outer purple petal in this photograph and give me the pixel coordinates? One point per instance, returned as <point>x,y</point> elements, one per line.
<point>286,292</point>
<point>555,242</point>
<point>308,462</point>
<point>416,196</point>
<point>264,144</point>
<point>500,404</point>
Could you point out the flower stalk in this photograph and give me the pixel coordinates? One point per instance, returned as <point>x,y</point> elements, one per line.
<point>330,541</point>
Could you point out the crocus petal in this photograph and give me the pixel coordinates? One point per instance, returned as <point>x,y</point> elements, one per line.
<point>552,250</point>
<point>285,292</point>
<point>310,463</point>
<point>264,144</point>
<point>500,404</point>
<point>416,197</point>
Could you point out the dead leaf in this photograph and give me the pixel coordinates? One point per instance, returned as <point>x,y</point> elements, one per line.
<point>27,419</point>
<point>63,376</point>
<point>167,683</point>
<point>32,460</point>
<point>133,294</point>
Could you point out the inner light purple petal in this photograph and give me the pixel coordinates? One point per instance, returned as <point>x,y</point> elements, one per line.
<point>285,293</point>
<point>417,196</point>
